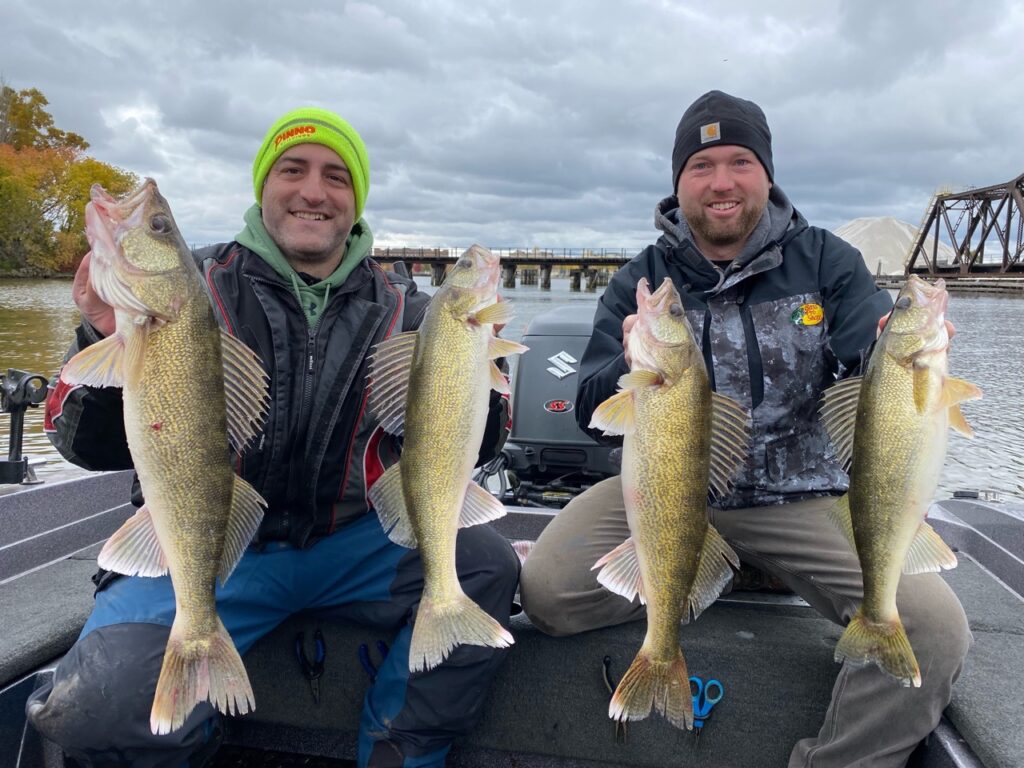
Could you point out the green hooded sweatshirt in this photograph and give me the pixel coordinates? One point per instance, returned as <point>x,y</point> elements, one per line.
<point>312,298</point>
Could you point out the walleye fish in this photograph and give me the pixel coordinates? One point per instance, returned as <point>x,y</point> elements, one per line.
<point>433,386</point>
<point>890,429</point>
<point>190,390</point>
<point>680,438</point>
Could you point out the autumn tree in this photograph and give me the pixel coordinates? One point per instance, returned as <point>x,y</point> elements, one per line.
<point>45,179</point>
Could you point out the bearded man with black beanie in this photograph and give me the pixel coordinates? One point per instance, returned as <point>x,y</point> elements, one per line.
<point>780,309</point>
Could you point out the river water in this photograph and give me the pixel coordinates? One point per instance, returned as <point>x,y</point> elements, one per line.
<point>37,321</point>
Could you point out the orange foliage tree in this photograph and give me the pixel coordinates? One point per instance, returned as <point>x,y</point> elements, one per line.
<point>45,179</point>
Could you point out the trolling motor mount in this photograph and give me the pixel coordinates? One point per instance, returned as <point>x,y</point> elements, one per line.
<point>19,390</point>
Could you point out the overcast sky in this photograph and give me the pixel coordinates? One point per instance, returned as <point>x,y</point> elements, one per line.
<point>523,123</point>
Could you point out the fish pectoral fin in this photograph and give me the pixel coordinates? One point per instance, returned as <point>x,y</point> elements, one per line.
<point>244,520</point>
<point>958,422</point>
<point>498,347</point>
<point>838,414</point>
<point>498,313</point>
<point>641,378</point>
<point>246,391</point>
<point>928,389</point>
<point>839,513</point>
<point>134,549</point>
<point>479,506</point>
<point>713,574</point>
<point>390,368</point>
<point>616,415</point>
<point>730,438</point>
<point>620,572</point>
<point>957,391</point>
<point>98,365</point>
<point>498,381</point>
<point>928,553</point>
<point>388,499</point>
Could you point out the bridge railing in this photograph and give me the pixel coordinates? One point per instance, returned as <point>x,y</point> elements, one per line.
<point>512,254</point>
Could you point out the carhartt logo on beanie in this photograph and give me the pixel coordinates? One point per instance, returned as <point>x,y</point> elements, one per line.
<point>311,125</point>
<point>718,118</point>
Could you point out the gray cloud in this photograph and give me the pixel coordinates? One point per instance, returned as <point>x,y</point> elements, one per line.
<point>533,123</point>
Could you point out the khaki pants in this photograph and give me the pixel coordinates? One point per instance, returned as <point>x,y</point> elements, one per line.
<point>872,720</point>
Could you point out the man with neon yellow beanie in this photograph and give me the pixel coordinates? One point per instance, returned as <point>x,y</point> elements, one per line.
<point>299,287</point>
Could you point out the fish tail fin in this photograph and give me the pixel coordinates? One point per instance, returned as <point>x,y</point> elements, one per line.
<point>442,625</point>
<point>196,670</point>
<point>647,684</point>
<point>885,644</point>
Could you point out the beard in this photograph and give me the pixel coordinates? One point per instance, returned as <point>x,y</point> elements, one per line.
<point>719,233</point>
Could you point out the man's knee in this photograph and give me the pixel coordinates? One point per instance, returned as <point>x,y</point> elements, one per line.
<point>545,609</point>
<point>486,563</point>
<point>935,621</point>
<point>98,705</point>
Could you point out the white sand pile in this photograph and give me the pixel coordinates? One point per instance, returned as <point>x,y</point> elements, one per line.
<point>885,240</point>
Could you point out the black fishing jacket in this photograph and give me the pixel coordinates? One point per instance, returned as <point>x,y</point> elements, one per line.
<point>321,449</point>
<point>776,328</point>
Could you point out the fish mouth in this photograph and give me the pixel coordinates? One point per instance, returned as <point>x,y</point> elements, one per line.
<point>650,306</point>
<point>485,267</point>
<point>107,220</point>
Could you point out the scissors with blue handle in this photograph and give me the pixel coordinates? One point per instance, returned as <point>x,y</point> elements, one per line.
<point>705,696</point>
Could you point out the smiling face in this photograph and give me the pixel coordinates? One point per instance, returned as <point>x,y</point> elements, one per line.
<point>722,192</point>
<point>309,208</point>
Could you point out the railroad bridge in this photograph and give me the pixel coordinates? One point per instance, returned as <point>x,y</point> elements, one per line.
<point>984,225</point>
<point>586,267</point>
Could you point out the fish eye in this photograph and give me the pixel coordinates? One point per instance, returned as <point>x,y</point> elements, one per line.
<point>675,310</point>
<point>903,302</point>
<point>464,263</point>
<point>160,224</point>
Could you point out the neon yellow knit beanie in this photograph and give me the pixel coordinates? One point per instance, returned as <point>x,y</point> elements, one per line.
<point>311,125</point>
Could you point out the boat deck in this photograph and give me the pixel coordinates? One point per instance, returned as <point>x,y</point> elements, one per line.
<point>548,705</point>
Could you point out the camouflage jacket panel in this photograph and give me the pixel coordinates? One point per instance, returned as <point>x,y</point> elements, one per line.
<point>775,332</point>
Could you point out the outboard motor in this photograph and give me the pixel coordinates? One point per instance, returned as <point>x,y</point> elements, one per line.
<point>549,459</point>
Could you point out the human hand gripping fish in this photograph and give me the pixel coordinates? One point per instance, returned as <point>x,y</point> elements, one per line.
<point>433,386</point>
<point>199,516</point>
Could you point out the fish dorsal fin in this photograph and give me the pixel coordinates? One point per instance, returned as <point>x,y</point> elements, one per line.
<point>620,572</point>
<point>713,574</point>
<point>730,437</point>
<point>243,521</point>
<point>957,391</point>
<point>390,368</point>
<point>498,381</point>
<point>246,391</point>
<point>839,513</point>
<point>98,365</point>
<point>387,498</point>
<point>928,553</point>
<point>479,506</point>
<point>134,549</point>
<point>958,422</point>
<point>616,415</point>
<point>498,313</point>
<point>497,347</point>
<point>839,415</point>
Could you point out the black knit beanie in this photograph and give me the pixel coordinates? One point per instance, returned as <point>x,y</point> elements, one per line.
<point>718,118</point>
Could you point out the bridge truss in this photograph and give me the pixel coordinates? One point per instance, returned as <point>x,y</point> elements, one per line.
<point>985,227</point>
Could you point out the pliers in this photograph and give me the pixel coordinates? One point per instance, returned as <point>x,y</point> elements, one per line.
<point>313,669</point>
<point>621,734</point>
